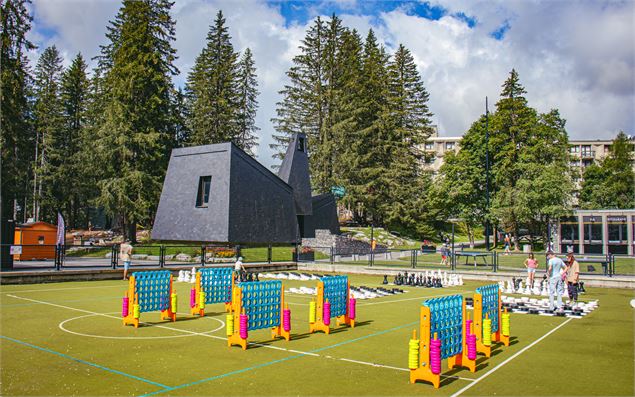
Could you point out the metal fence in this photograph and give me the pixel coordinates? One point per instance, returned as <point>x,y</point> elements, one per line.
<point>51,257</point>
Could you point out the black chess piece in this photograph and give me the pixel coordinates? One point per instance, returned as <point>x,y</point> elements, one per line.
<point>581,289</point>
<point>385,280</point>
<point>250,277</point>
<point>395,280</point>
<point>256,277</point>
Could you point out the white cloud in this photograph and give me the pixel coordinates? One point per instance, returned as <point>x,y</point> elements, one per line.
<point>577,57</point>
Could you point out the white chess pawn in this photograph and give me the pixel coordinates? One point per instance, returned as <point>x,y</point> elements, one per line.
<point>544,291</point>
<point>180,275</point>
<point>460,279</point>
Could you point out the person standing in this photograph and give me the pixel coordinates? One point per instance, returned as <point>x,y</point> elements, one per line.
<point>531,264</point>
<point>555,271</point>
<point>125,254</point>
<point>573,276</point>
<point>239,269</point>
<point>507,244</point>
<point>444,254</point>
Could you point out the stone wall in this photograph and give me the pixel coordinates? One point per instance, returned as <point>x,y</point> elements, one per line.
<point>341,244</point>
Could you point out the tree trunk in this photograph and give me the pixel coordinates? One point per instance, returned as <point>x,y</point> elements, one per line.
<point>132,231</point>
<point>470,235</point>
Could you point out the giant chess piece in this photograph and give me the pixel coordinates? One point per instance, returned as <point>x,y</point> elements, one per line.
<point>581,289</point>
<point>385,280</point>
<point>396,280</point>
<point>256,277</point>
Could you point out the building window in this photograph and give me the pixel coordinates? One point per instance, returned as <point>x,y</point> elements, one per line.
<point>586,163</point>
<point>301,144</point>
<point>429,146</point>
<point>40,240</point>
<point>574,149</point>
<point>449,146</point>
<point>202,198</point>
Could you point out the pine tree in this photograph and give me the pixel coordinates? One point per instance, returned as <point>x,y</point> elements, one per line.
<point>301,109</point>
<point>49,124</point>
<point>70,176</point>
<point>373,138</point>
<point>17,140</point>
<point>410,126</point>
<point>247,103</point>
<point>347,115</point>
<point>532,182</point>
<point>137,132</point>
<point>211,89</point>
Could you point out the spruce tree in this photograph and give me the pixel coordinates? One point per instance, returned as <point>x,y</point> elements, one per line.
<point>211,89</point>
<point>301,108</point>
<point>137,132</point>
<point>410,126</point>
<point>373,138</point>
<point>49,125</point>
<point>70,176</point>
<point>247,103</point>
<point>17,140</point>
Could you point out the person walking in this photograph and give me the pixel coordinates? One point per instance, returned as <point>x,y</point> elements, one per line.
<point>531,264</point>
<point>573,277</point>
<point>555,272</point>
<point>125,253</point>
<point>507,244</point>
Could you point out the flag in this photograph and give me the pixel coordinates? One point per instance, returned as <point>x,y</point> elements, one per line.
<point>61,229</point>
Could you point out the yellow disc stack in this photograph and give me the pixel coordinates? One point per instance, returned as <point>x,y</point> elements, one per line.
<point>505,324</point>
<point>487,332</point>
<point>413,354</point>
<point>174,301</point>
<point>230,324</point>
<point>201,300</point>
<point>312,312</point>
<point>135,310</point>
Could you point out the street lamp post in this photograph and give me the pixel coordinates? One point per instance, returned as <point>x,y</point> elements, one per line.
<point>453,220</point>
<point>487,224</point>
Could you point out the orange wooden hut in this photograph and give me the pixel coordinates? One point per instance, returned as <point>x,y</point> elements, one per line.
<point>37,240</point>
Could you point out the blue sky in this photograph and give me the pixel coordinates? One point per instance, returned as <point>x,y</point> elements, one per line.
<point>576,56</point>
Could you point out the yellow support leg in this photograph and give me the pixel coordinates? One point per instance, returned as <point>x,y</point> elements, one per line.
<point>423,372</point>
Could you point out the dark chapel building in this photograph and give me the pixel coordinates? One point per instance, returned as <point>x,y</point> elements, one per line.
<point>218,193</point>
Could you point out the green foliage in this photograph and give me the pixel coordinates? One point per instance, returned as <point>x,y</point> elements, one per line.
<point>531,181</point>
<point>247,103</point>
<point>611,183</point>
<point>365,116</point>
<point>17,140</point>
<point>221,93</point>
<point>49,126</point>
<point>136,132</point>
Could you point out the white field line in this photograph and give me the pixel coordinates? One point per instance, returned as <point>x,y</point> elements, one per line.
<point>211,336</point>
<point>56,289</point>
<point>397,368</point>
<point>458,393</point>
<point>409,299</point>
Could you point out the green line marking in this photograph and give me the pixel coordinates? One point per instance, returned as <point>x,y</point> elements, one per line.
<point>85,362</point>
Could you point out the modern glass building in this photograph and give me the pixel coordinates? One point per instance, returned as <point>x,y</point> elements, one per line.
<point>597,232</point>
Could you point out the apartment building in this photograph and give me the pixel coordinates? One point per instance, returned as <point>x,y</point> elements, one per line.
<point>582,152</point>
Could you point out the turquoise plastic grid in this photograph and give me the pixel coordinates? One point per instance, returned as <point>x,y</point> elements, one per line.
<point>446,319</point>
<point>335,291</point>
<point>153,289</point>
<point>490,303</point>
<point>261,301</point>
<point>217,284</point>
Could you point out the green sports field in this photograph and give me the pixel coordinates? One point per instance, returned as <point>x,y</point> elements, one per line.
<point>68,339</point>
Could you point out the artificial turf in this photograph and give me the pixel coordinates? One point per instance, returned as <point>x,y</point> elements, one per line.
<point>68,339</point>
